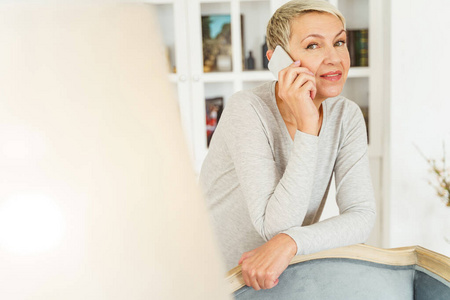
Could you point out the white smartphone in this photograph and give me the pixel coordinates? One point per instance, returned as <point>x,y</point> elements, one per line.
<point>280,59</point>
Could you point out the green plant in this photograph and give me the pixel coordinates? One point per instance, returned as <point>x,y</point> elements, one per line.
<point>442,174</point>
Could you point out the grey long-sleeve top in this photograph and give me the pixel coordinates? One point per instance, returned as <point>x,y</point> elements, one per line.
<point>258,182</point>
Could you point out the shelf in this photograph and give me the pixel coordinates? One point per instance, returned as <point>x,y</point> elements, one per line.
<point>214,1</point>
<point>173,77</point>
<point>359,72</point>
<point>219,76</point>
<point>222,1</point>
<point>158,2</point>
<point>261,75</point>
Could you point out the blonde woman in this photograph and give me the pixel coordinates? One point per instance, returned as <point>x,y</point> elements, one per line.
<point>274,152</point>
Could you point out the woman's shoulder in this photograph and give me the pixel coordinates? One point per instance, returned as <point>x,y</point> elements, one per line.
<point>254,95</point>
<point>252,100</point>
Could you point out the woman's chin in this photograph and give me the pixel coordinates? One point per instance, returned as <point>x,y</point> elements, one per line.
<point>328,94</point>
<point>331,92</point>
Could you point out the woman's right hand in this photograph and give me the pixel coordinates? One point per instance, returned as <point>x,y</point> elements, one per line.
<point>262,266</point>
<point>297,88</point>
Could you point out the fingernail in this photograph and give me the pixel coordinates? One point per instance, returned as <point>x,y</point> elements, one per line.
<point>297,62</point>
<point>311,73</point>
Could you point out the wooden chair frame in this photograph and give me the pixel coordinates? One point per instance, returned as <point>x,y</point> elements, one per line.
<point>415,255</point>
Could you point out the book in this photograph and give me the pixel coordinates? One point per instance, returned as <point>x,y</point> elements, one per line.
<point>362,47</point>
<point>351,47</point>
<point>358,47</point>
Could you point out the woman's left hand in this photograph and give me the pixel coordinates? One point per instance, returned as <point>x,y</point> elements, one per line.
<point>262,266</point>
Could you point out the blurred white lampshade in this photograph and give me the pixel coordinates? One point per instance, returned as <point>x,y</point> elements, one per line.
<point>97,196</point>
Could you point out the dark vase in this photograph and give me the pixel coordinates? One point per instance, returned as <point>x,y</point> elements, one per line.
<point>250,61</point>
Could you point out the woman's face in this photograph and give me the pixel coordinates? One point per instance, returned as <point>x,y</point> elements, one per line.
<point>318,40</point>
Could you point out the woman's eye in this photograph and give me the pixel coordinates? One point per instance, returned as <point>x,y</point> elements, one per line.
<point>312,46</point>
<point>340,43</point>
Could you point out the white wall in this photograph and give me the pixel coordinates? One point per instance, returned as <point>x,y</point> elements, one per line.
<point>420,114</point>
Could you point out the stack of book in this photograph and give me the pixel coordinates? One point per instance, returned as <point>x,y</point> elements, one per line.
<point>358,47</point>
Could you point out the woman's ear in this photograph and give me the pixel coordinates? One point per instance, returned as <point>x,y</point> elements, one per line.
<point>269,54</point>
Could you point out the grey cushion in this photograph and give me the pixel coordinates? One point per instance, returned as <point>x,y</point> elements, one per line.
<point>429,286</point>
<point>347,279</point>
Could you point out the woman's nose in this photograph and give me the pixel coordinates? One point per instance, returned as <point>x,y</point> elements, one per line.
<point>332,56</point>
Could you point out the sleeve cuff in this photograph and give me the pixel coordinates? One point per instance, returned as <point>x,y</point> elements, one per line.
<point>301,238</point>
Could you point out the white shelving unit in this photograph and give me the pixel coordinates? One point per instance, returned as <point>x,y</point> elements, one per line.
<point>182,32</point>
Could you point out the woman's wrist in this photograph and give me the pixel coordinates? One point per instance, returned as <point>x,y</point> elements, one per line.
<point>288,244</point>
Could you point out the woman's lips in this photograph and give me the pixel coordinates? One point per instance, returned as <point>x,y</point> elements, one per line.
<point>332,76</point>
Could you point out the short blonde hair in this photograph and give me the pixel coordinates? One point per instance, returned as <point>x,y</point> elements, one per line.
<point>279,27</point>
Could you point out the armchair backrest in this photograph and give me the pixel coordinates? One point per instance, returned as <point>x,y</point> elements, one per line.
<point>357,272</point>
